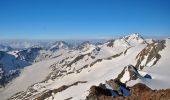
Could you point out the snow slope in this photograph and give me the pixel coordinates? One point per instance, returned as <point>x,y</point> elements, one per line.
<point>98,73</point>
<point>87,65</point>
<point>30,75</point>
<point>159,72</point>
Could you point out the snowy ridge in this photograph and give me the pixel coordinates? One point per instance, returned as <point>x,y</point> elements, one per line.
<point>135,39</point>
<point>87,77</point>
<point>64,72</point>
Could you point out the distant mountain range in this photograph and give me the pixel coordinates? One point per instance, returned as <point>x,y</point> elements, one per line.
<point>98,70</point>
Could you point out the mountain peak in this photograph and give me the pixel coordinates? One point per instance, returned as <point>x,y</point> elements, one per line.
<point>134,39</point>
<point>59,44</point>
<point>84,44</point>
<point>134,35</point>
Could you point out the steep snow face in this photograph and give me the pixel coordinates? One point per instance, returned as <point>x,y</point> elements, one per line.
<point>117,43</point>
<point>121,42</point>
<point>130,73</point>
<point>161,69</point>
<point>149,56</point>
<point>135,39</point>
<point>113,47</point>
<point>159,72</point>
<point>126,76</point>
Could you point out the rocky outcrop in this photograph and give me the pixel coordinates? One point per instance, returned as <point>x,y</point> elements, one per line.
<point>49,93</point>
<point>114,56</point>
<point>110,43</point>
<point>76,59</point>
<point>97,91</point>
<point>110,89</point>
<point>93,63</point>
<point>138,92</point>
<point>116,88</point>
<point>131,74</point>
<point>149,53</point>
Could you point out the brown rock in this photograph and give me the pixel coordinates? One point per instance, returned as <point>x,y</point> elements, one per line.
<point>138,92</point>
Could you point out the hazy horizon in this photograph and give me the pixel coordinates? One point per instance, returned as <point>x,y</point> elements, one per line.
<point>164,36</point>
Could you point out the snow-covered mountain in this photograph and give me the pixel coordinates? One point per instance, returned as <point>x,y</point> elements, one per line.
<point>86,47</point>
<point>60,71</point>
<point>10,66</point>
<point>58,45</point>
<point>5,48</point>
<point>135,39</point>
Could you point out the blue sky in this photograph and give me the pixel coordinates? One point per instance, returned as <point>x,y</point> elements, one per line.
<point>57,19</point>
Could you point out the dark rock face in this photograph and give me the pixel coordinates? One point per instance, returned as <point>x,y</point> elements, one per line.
<point>77,59</point>
<point>138,92</point>
<point>96,91</point>
<point>103,92</point>
<point>93,63</point>
<point>10,67</point>
<point>110,43</point>
<point>29,55</point>
<point>114,56</point>
<point>147,76</point>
